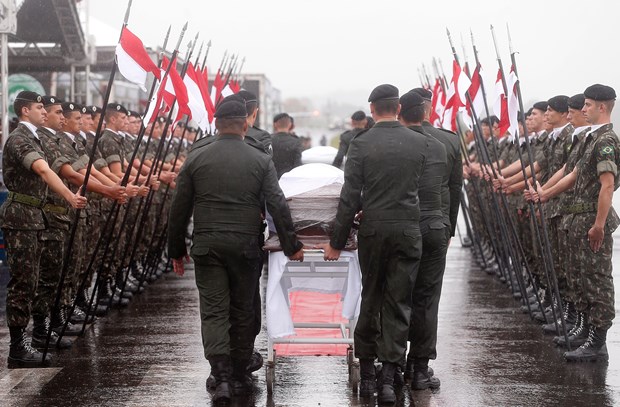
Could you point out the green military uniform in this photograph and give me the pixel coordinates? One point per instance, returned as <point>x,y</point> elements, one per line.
<point>22,221</point>
<point>381,177</point>
<point>222,183</point>
<point>435,234</point>
<point>287,150</point>
<point>343,146</point>
<point>261,136</point>
<point>601,155</point>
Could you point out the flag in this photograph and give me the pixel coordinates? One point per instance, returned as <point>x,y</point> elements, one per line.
<point>132,59</point>
<point>175,89</point>
<point>459,86</point>
<point>475,92</point>
<point>439,101</point>
<point>203,84</point>
<point>235,87</point>
<point>500,107</point>
<point>513,105</point>
<point>195,102</point>
<point>218,85</point>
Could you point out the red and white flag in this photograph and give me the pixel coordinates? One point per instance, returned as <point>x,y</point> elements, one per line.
<point>475,92</point>
<point>175,89</point>
<point>203,84</point>
<point>459,86</point>
<point>195,101</point>
<point>500,107</point>
<point>438,104</point>
<point>132,59</point>
<point>513,105</point>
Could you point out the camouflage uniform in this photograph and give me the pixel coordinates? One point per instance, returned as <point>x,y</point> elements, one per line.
<point>573,284</point>
<point>601,155</point>
<point>556,154</point>
<point>22,222</point>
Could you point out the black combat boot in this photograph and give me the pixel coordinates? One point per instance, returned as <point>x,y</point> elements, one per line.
<point>592,350</point>
<point>385,392</point>
<point>256,361</point>
<point>21,354</point>
<point>241,378</point>
<point>39,335</point>
<point>570,316</point>
<point>578,336</point>
<point>221,369</point>
<point>368,381</point>
<point>422,378</point>
<point>106,292</point>
<point>409,370</point>
<point>83,300</point>
<point>59,318</point>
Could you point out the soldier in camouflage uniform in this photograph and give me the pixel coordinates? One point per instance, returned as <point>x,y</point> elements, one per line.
<point>27,176</point>
<point>594,178</point>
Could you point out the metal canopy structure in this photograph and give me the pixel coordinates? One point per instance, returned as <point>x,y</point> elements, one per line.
<point>53,22</point>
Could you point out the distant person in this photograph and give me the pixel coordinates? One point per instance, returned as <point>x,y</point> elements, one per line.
<point>323,141</point>
<point>291,129</point>
<point>306,143</point>
<point>358,122</point>
<point>287,147</point>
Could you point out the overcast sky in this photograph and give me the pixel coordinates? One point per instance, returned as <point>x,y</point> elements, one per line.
<point>326,48</point>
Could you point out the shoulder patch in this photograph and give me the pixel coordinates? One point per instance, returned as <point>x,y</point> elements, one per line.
<point>607,150</point>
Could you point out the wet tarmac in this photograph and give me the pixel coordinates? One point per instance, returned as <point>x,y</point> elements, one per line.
<point>150,354</point>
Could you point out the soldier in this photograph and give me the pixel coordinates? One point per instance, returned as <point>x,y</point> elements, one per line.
<point>215,184</point>
<point>427,287</point>
<point>385,163</point>
<point>286,146</point>
<point>358,124</point>
<point>27,177</point>
<point>595,177</point>
<point>260,135</point>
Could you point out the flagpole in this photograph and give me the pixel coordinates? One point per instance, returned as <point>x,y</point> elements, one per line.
<point>543,222</point>
<point>82,191</point>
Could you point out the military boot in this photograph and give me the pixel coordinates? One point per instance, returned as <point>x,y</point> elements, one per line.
<point>83,301</point>
<point>569,315</point>
<point>106,292</point>
<point>59,319</point>
<point>40,330</point>
<point>578,335</point>
<point>386,394</point>
<point>256,361</point>
<point>592,350</point>
<point>21,354</point>
<point>241,378</point>
<point>368,381</point>
<point>423,378</point>
<point>221,370</point>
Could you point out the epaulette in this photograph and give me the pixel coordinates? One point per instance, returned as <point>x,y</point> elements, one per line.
<point>251,141</point>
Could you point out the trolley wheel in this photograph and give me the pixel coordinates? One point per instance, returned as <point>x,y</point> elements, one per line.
<point>354,375</point>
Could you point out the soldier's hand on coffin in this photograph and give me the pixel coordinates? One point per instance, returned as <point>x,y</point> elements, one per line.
<point>299,256</point>
<point>329,253</point>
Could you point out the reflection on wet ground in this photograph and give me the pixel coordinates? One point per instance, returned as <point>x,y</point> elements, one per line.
<point>150,354</point>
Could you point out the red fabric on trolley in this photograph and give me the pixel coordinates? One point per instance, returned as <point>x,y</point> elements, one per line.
<point>319,308</point>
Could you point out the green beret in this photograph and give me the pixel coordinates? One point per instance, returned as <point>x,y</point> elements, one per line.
<point>384,91</point>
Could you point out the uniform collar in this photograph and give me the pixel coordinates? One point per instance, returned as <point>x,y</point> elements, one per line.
<point>557,131</point>
<point>50,130</point>
<point>71,136</point>
<point>595,127</point>
<point>31,127</point>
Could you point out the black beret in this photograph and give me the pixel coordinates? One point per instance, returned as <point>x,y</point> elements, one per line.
<point>161,119</point>
<point>529,112</point>
<point>93,109</point>
<point>542,106</point>
<point>577,101</point>
<point>49,100</point>
<point>600,93</point>
<point>384,91</point>
<point>411,99</point>
<point>116,107</point>
<point>280,116</point>
<point>231,107</point>
<point>29,96</point>
<point>425,93</point>
<point>133,113</point>
<point>71,107</point>
<point>559,103</point>
<point>358,116</point>
<point>248,96</point>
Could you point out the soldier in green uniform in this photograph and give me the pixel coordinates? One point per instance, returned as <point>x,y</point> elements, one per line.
<point>258,134</point>
<point>358,124</point>
<point>27,177</point>
<point>594,178</point>
<point>381,177</point>
<point>222,183</point>
<point>286,146</point>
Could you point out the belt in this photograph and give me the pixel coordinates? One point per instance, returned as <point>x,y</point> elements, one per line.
<point>25,199</point>
<point>581,207</point>
<point>391,214</point>
<point>61,210</point>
